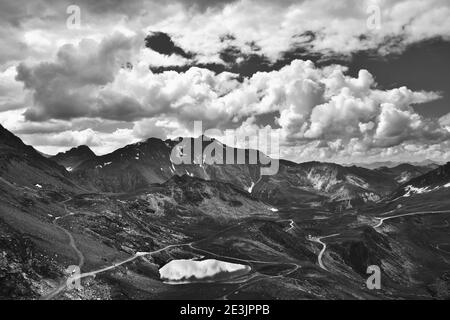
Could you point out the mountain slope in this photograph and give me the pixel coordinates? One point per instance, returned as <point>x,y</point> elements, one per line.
<point>22,165</point>
<point>436,179</point>
<point>324,182</point>
<point>72,158</point>
<point>404,172</point>
<point>219,201</point>
<point>139,165</point>
<point>391,164</point>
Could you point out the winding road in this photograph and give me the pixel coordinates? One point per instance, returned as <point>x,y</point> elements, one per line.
<point>291,224</point>
<point>248,282</point>
<point>191,245</point>
<point>380,223</point>
<point>76,277</point>
<point>324,247</point>
<point>80,255</point>
<point>72,242</point>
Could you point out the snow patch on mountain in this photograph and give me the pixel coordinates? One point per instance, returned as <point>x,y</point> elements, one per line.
<point>101,166</point>
<point>357,181</point>
<point>370,196</point>
<point>413,190</point>
<point>322,182</point>
<point>404,176</point>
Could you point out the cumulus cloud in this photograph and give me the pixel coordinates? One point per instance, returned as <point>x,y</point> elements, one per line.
<point>321,104</point>
<point>56,83</point>
<point>68,87</point>
<point>199,26</point>
<point>101,143</point>
<point>12,95</point>
<point>89,80</point>
<point>281,26</point>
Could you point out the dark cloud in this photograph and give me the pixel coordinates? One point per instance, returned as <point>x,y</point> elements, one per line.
<point>163,43</point>
<point>247,61</point>
<point>214,67</point>
<point>234,60</point>
<point>227,37</point>
<point>67,88</point>
<point>12,48</point>
<point>18,12</point>
<point>42,128</point>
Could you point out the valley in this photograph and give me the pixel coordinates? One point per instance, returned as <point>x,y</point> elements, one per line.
<point>308,232</point>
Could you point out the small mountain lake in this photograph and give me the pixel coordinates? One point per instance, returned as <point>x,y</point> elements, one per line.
<point>192,271</point>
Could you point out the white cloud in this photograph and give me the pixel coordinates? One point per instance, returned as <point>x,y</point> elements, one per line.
<point>77,79</point>
<point>276,26</point>
<point>12,95</point>
<point>314,104</point>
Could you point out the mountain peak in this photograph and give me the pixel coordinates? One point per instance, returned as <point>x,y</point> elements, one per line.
<point>82,150</point>
<point>153,140</point>
<point>72,158</point>
<point>8,139</point>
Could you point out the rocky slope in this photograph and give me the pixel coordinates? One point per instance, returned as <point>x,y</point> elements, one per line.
<point>324,182</point>
<point>23,166</point>
<point>139,165</point>
<point>434,180</point>
<point>404,172</point>
<point>72,158</point>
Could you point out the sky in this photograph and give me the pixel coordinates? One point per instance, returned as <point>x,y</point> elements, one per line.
<point>342,81</point>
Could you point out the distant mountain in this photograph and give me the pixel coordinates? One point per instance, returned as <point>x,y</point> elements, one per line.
<point>404,172</point>
<point>139,165</point>
<point>391,164</point>
<point>436,179</point>
<point>72,158</point>
<point>316,181</point>
<point>375,165</point>
<point>23,166</point>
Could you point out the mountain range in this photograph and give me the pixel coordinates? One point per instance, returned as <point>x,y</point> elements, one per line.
<point>139,165</point>
<point>124,215</point>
